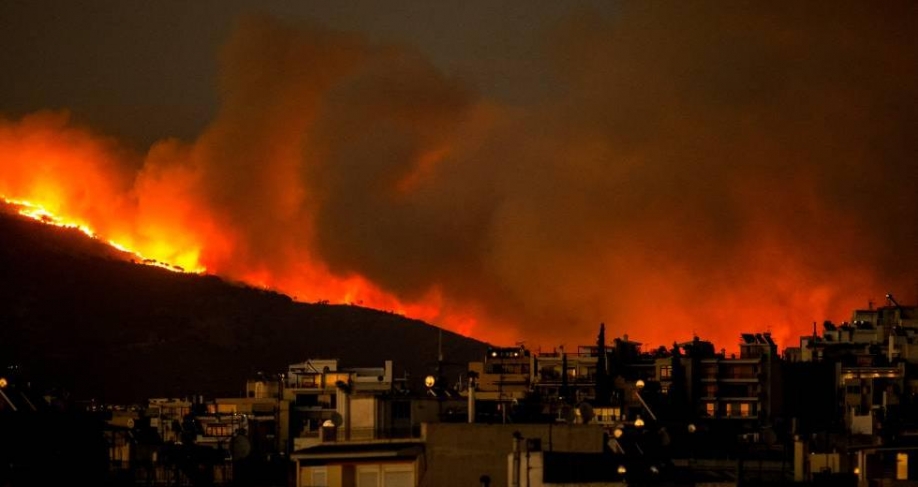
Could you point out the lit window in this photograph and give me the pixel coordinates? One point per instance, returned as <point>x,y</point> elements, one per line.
<point>744,409</point>
<point>666,371</point>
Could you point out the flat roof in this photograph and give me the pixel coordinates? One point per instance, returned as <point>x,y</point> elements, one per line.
<point>331,451</point>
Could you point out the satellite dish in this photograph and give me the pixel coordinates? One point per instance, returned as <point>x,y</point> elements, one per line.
<point>337,419</point>
<point>240,447</point>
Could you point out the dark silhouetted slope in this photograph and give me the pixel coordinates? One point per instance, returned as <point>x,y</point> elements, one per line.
<point>77,313</point>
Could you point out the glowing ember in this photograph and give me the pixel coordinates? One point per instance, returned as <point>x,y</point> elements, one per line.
<point>40,213</point>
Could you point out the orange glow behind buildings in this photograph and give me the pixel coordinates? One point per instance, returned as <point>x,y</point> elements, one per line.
<point>667,184</point>
<point>60,178</point>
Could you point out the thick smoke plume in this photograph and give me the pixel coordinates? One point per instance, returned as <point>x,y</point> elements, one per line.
<point>697,170</point>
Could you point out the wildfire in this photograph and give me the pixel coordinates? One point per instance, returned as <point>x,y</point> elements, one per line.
<point>39,213</point>
<point>352,171</point>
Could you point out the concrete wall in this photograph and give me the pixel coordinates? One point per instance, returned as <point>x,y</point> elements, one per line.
<point>363,413</point>
<point>459,454</point>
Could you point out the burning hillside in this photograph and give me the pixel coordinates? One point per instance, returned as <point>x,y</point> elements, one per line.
<point>673,184</point>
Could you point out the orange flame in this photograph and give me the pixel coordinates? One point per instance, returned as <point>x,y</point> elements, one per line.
<point>38,212</point>
<point>354,290</point>
<point>67,177</point>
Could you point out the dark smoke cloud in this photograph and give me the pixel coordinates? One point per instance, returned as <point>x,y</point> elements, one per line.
<point>703,168</point>
<point>697,168</point>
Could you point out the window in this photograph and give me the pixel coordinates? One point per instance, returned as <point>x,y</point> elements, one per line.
<point>709,409</point>
<point>666,372</point>
<point>732,409</point>
<point>741,409</point>
<point>550,372</point>
<point>333,378</point>
<point>385,476</point>
<point>218,429</point>
<point>319,477</point>
<point>368,477</point>
<point>398,478</point>
<point>745,409</point>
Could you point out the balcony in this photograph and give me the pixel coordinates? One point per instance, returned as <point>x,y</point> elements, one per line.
<point>740,378</point>
<point>736,379</point>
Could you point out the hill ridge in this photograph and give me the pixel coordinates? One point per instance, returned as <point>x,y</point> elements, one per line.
<point>79,314</point>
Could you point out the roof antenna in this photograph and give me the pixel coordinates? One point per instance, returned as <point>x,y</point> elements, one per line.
<point>891,301</point>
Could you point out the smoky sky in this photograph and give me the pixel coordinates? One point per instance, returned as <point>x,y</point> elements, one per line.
<point>669,169</point>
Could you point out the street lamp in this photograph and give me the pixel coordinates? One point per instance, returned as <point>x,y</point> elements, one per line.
<point>639,423</point>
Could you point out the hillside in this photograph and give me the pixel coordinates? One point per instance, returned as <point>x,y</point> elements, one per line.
<point>81,315</point>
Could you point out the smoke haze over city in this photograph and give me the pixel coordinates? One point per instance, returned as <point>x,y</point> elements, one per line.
<point>513,172</point>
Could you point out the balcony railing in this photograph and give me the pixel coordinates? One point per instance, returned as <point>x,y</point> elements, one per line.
<point>366,434</point>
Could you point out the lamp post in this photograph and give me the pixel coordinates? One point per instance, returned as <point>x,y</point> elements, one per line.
<point>692,429</point>
<point>614,442</point>
<point>639,385</point>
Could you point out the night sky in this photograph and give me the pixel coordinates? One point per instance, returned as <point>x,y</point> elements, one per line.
<point>515,171</point>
